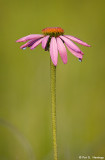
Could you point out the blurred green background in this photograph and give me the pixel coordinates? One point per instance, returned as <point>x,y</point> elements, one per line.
<point>25,107</point>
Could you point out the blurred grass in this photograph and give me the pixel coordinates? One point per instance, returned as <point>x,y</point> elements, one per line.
<point>25,80</point>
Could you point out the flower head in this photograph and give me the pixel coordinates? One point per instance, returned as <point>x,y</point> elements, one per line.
<point>53,39</point>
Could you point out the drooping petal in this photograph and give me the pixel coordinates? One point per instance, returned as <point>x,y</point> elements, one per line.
<point>77,40</point>
<point>62,50</point>
<point>54,51</point>
<point>36,43</point>
<point>78,55</point>
<point>31,43</point>
<point>25,45</point>
<point>28,44</point>
<point>30,37</point>
<point>44,41</point>
<point>70,44</point>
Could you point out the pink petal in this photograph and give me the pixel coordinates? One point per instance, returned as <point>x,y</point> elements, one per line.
<point>44,41</point>
<point>28,44</point>
<point>54,51</point>
<point>30,37</point>
<point>70,44</point>
<point>77,40</point>
<point>62,50</point>
<point>24,45</point>
<point>31,43</point>
<point>36,43</point>
<point>78,55</point>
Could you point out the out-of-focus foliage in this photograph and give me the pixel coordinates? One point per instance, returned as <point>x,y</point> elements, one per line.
<point>25,81</point>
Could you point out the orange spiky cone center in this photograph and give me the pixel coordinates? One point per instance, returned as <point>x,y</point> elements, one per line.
<point>53,31</point>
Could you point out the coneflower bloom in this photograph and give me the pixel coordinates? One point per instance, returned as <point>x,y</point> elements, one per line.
<point>53,39</point>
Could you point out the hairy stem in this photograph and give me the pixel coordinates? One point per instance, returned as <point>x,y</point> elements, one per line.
<point>53,102</point>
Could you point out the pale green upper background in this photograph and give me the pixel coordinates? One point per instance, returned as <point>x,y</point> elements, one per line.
<point>25,81</point>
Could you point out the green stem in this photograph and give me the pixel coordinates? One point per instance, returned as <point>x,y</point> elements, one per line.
<point>53,102</point>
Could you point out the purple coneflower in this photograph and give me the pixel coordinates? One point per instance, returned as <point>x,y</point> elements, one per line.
<point>53,39</point>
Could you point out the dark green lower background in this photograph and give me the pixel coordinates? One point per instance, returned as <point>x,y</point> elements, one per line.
<point>25,81</point>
